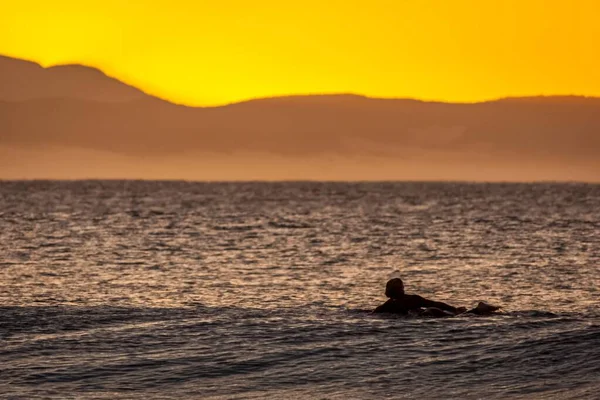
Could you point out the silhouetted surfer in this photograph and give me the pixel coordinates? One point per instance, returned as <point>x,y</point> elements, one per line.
<point>402,303</point>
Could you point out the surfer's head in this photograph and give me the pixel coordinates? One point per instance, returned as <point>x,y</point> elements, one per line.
<point>394,289</point>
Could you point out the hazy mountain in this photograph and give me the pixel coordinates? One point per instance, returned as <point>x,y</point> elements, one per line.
<point>392,138</point>
<point>23,80</point>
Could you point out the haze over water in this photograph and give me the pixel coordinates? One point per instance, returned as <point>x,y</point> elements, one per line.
<point>239,290</point>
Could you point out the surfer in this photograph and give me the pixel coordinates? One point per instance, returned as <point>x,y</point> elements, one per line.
<point>405,304</point>
<point>402,303</point>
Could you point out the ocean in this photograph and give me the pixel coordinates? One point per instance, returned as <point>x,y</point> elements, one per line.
<point>184,290</point>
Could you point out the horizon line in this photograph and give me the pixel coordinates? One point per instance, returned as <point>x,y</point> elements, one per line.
<point>450,181</point>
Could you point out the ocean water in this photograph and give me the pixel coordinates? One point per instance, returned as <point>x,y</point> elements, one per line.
<point>185,290</point>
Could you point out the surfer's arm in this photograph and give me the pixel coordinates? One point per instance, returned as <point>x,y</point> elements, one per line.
<point>425,303</point>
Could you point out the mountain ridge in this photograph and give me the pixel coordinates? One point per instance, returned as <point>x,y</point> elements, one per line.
<point>22,80</point>
<point>69,67</point>
<point>550,131</point>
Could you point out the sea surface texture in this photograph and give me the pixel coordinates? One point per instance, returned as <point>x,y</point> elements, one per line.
<point>181,290</point>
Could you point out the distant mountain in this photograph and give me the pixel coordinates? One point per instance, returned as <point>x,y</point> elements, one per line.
<point>23,80</point>
<point>561,133</point>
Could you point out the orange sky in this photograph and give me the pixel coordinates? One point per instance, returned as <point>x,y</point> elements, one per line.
<point>203,53</point>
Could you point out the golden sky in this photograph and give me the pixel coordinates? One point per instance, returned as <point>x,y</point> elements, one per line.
<point>213,52</point>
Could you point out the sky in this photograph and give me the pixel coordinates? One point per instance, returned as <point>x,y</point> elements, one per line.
<point>200,52</point>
